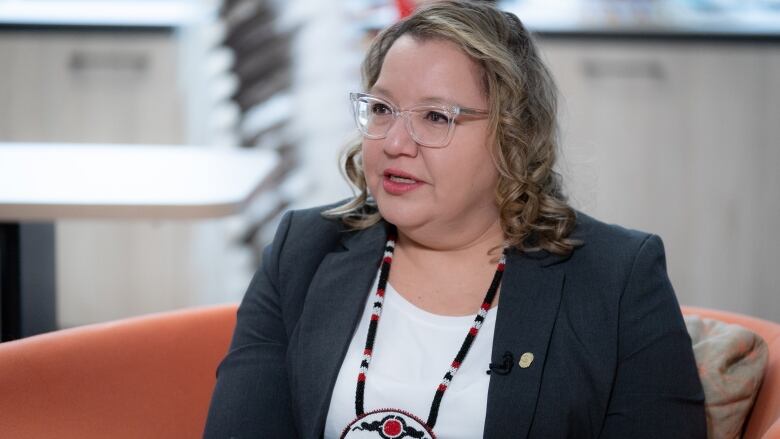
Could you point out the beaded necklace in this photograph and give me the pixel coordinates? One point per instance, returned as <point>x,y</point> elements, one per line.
<point>395,423</point>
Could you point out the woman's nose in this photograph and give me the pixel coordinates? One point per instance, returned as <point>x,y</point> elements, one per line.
<point>399,140</point>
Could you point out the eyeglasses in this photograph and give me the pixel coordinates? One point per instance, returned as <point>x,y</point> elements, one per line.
<point>429,125</point>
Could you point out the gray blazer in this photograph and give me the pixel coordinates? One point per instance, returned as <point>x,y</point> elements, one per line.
<point>612,355</point>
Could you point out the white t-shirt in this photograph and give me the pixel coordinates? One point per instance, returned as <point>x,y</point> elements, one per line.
<point>412,351</point>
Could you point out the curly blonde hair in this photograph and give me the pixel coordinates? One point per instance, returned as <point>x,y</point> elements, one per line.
<point>522,118</point>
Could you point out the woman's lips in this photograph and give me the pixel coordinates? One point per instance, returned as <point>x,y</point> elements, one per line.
<point>398,183</point>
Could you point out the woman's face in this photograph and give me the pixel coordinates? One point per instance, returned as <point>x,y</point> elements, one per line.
<point>447,189</point>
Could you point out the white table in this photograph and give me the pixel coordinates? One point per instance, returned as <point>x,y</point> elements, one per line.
<point>41,183</point>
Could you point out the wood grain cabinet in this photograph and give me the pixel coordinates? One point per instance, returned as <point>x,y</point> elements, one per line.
<point>116,86</point>
<point>681,138</point>
<point>90,86</point>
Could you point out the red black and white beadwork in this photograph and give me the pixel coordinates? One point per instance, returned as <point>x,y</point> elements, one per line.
<point>395,423</point>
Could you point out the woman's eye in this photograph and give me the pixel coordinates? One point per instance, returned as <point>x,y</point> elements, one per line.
<point>437,117</point>
<point>378,108</point>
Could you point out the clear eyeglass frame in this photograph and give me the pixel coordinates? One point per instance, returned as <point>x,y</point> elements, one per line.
<point>434,134</point>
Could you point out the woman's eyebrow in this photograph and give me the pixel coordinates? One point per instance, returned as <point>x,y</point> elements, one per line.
<point>436,100</point>
<point>378,90</point>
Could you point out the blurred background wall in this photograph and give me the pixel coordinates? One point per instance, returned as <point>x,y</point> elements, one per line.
<point>669,123</point>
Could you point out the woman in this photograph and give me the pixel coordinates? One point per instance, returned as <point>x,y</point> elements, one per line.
<point>497,310</point>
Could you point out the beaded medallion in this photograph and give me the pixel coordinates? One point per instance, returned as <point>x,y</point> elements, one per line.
<point>387,424</point>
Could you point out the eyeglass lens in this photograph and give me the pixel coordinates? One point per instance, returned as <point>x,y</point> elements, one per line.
<point>429,126</point>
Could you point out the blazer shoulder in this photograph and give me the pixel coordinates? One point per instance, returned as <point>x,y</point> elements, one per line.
<point>598,236</point>
<point>610,248</point>
<point>307,231</point>
<point>313,217</point>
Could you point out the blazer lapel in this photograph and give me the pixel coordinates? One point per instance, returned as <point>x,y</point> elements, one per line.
<point>528,305</point>
<point>334,303</point>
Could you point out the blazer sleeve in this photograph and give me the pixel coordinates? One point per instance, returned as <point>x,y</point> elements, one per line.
<point>251,398</point>
<point>656,391</point>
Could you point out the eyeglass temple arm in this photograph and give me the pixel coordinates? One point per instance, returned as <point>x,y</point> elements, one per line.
<point>471,111</point>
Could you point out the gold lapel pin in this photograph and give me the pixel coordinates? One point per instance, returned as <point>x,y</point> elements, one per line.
<point>526,359</point>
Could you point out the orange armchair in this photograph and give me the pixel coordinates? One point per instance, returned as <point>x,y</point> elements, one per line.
<point>152,377</point>
<point>145,377</point>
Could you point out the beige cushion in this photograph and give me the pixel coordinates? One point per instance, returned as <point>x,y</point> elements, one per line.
<point>731,362</point>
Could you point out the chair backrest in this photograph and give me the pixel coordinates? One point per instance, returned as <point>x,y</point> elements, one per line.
<point>66,384</point>
<point>764,420</point>
<point>145,377</point>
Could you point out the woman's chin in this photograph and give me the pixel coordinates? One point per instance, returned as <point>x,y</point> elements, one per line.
<point>401,214</point>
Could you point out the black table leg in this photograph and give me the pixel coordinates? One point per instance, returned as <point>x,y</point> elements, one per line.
<point>9,282</point>
<point>27,280</point>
